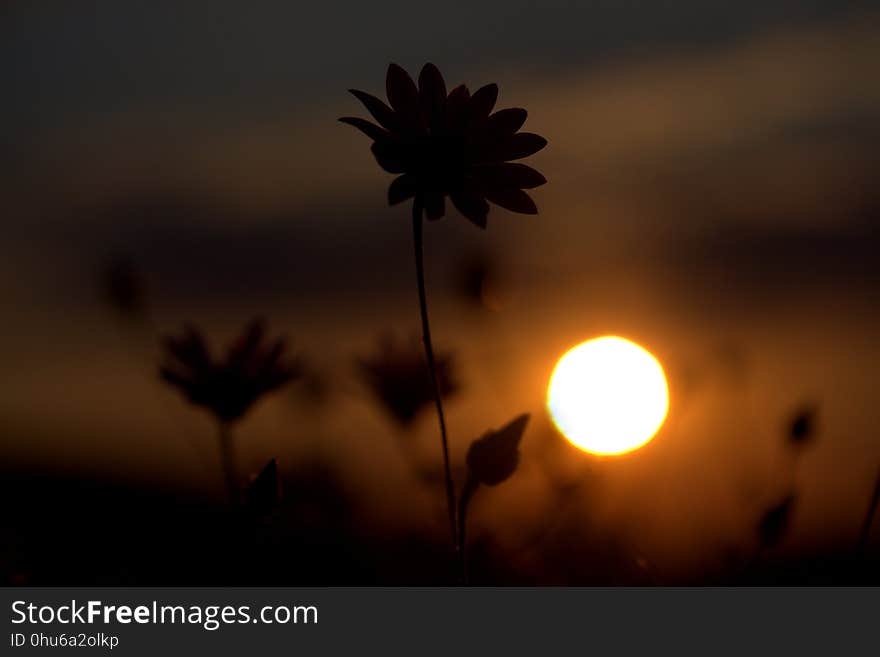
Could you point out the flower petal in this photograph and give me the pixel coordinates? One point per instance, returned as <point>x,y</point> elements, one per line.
<point>432,97</point>
<point>191,385</point>
<point>520,145</point>
<point>471,205</point>
<point>389,157</point>
<point>402,93</point>
<point>435,205</point>
<point>246,344</point>
<point>380,111</point>
<point>460,94</point>
<point>190,349</point>
<point>482,102</point>
<point>402,188</point>
<point>507,121</point>
<point>272,356</point>
<point>514,200</point>
<point>456,108</point>
<point>507,175</point>
<point>371,130</point>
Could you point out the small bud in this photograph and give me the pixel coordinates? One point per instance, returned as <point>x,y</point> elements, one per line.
<point>494,457</point>
<point>775,522</point>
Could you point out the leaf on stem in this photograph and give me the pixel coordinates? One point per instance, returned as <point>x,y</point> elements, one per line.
<point>264,492</point>
<point>493,458</point>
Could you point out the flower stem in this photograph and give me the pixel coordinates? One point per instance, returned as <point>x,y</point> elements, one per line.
<point>429,354</point>
<point>470,487</point>
<point>227,461</point>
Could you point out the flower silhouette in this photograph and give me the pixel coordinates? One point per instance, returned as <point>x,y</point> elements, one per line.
<point>228,386</point>
<point>401,380</point>
<point>447,144</point>
<point>450,145</point>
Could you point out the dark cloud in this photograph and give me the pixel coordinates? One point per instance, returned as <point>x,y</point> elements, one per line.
<point>105,56</point>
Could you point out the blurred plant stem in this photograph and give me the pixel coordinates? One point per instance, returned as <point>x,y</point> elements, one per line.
<point>470,487</point>
<point>429,354</point>
<point>865,534</point>
<point>227,460</point>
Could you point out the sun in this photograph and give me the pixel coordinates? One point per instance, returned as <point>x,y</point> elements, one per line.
<point>608,396</point>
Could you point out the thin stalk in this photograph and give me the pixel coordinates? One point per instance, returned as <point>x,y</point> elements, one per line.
<point>227,461</point>
<point>865,534</point>
<point>470,487</point>
<point>429,354</point>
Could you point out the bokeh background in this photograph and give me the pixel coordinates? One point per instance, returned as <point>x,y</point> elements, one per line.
<point>713,195</point>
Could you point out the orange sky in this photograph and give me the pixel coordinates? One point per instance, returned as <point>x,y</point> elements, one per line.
<point>713,203</point>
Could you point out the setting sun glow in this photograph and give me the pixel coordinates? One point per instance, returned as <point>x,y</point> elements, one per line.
<point>608,396</point>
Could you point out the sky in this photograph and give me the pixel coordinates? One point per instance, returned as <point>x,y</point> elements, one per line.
<point>712,194</point>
